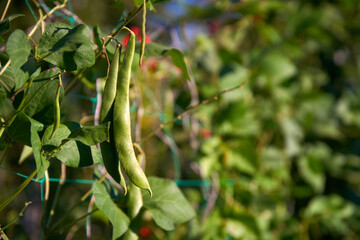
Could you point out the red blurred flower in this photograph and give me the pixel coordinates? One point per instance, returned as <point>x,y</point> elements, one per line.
<point>137,32</point>
<point>205,133</point>
<point>214,26</point>
<point>145,232</point>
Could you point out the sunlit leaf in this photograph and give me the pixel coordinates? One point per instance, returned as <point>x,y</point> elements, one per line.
<point>168,206</point>
<point>23,62</point>
<point>117,218</point>
<point>91,135</point>
<point>66,47</point>
<point>72,153</point>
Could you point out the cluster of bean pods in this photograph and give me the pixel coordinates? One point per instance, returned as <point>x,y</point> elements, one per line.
<point>119,152</point>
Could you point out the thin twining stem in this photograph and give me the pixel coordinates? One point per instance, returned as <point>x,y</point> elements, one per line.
<point>45,17</point>
<point>191,108</point>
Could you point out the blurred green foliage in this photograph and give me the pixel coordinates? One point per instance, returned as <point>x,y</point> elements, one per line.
<point>290,138</point>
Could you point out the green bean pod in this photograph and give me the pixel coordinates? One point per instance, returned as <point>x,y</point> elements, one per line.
<point>122,123</point>
<point>134,199</point>
<point>108,150</point>
<point>130,235</point>
<point>143,34</point>
<point>56,109</point>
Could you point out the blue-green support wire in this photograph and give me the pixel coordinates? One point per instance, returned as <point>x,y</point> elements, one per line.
<point>72,20</point>
<point>31,10</point>
<point>57,13</point>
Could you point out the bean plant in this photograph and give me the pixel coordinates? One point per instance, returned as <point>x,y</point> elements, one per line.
<point>40,69</point>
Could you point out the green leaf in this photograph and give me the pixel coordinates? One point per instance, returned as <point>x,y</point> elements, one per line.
<point>26,152</point>
<point>168,206</point>
<point>72,153</point>
<point>243,226</point>
<point>276,66</point>
<point>138,2</point>
<point>7,80</point>
<point>40,100</point>
<point>311,166</point>
<point>6,107</point>
<point>91,135</point>
<point>25,130</point>
<point>159,1</point>
<point>3,235</point>
<point>66,47</point>
<point>5,24</point>
<point>117,217</point>
<point>20,129</point>
<point>72,40</point>
<point>23,62</point>
<point>41,163</point>
<point>153,49</point>
<point>331,211</point>
<point>293,134</point>
<point>98,34</point>
<point>179,61</point>
<point>130,235</point>
<point>47,74</point>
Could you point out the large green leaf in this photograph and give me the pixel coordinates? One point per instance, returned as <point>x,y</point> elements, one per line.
<point>25,130</point>
<point>66,47</point>
<point>72,153</point>
<point>40,100</point>
<point>117,218</point>
<point>20,129</point>
<point>168,206</point>
<point>23,62</point>
<point>6,107</point>
<point>91,135</point>
<point>5,24</point>
<point>41,163</point>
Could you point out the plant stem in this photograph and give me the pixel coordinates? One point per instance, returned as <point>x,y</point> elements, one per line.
<point>57,194</point>
<point>69,86</point>
<point>191,108</point>
<point>41,15</point>
<point>5,11</point>
<point>17,217</point>
<point>45,17</point>
<point>2,128</point>
<point>4,153</point>
<point>18,190</point>
<point>22,106</point>
<point>88,219</point>
<point>127,21</point>
<point>46,198</point>
<point>85,196</point>
<point>5,67</point>
<point>76,220</point>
